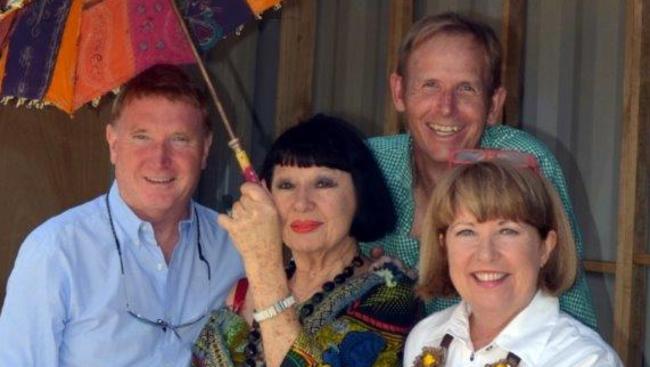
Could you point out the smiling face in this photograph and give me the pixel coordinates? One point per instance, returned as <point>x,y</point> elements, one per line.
<point>445,95</point>
<point>158,147</point>
<point>494,265</point>
<point>316,207</point>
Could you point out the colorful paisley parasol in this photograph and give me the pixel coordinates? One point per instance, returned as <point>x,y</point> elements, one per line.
<point>67,53</point>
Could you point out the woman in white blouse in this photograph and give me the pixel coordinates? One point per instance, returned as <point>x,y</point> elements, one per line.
<point>496,235</point>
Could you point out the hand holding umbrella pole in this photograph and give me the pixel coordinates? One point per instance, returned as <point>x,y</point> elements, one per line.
<point>240,154</point>
<point>11,7</point>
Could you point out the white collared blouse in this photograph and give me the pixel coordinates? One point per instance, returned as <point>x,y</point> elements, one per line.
<point>540,335</point>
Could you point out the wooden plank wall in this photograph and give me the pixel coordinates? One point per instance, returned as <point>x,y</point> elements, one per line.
<point>296,66</point>
<point>513,38</point>
<point>399,21</point>
<point>630,306</point>
<point>48,163</point>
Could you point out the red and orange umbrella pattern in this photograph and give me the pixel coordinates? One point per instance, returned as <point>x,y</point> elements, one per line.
<point>69,52</point>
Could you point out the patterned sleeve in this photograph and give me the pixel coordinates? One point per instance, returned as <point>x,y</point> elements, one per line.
<point>576,301</point>
<point>370,332</point>
<point>222,341</point>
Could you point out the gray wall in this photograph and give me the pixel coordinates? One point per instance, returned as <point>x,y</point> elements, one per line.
<point>351,61</point>
<point>573,102</point>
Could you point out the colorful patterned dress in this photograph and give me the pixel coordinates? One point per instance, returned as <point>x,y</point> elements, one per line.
<point>363,322</point>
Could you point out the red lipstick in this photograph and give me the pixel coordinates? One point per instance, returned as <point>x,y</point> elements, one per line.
<point>305,226</point>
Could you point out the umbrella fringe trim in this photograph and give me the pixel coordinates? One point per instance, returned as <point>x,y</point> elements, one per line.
<point>40,104</point>
<point>22,101</point>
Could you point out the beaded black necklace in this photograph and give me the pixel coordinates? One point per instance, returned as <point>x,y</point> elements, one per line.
<point>252,348</point>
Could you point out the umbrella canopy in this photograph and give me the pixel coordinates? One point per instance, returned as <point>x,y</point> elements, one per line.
<point>70,52</point>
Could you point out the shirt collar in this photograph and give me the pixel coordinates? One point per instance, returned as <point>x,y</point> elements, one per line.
<point>459,324</point>
<point>406,163</point>
<point>404,172</point>
<point>526,335</point>
<point>134,227</point>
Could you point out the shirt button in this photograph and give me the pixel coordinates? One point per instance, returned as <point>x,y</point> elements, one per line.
<point>489,348</point>
<point>160,266</point>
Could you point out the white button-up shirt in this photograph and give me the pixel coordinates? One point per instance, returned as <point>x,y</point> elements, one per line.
<point>541,335</point>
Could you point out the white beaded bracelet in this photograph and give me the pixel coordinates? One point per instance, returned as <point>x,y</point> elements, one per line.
<point>274,310</point>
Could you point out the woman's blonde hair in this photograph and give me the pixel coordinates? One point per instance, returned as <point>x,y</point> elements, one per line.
<point>494,190</point>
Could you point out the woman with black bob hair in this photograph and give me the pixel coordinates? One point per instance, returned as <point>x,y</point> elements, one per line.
<point>323,193</point>
<point>327,141</point>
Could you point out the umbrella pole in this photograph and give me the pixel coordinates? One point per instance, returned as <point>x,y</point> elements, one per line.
<point>233,142</point>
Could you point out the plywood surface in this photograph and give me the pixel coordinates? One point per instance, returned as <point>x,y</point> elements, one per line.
<point>295,71</point>
<point>48,163</point>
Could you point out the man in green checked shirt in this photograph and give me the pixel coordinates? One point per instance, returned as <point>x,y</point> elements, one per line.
<point>448,87</point>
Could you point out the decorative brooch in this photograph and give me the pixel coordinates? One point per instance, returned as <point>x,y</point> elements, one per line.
<point>388,276</point>
<point>435,357</point>
<point>431,357</point>
<point>504,363</point>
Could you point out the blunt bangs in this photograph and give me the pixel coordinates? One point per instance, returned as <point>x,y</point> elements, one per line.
<point>307,150</point>
<point>498,191</point>
<point>321,141</point>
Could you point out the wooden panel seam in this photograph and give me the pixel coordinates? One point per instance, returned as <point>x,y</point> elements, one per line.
<point>629,310</point>
<point>294,99</point>
<point>400,19</point>
<point>595,266</point>
<point>513,38</point>
<point>599,266</point>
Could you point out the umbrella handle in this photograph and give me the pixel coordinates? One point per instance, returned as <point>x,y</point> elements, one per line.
<point>244,163</point>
